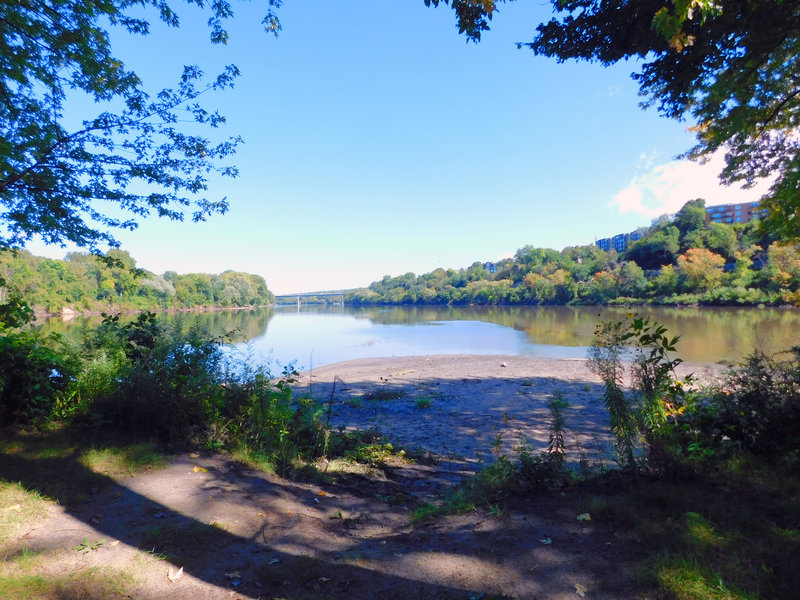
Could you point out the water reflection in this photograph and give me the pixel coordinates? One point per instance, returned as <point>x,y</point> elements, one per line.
<point>235,326</point>
<point>322,335</point>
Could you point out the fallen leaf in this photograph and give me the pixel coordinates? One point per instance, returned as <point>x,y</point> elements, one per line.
<point>174,575</point>
<point>115,542</point>
<point>546,540</point>
<point>584,517</point>
<point>194,455</point>
<point>323,493</point>
<point>197,469</point>
<point>580,590</point>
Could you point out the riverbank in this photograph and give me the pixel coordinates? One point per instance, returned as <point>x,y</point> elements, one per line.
<point>81,519</point>
<point>470,408</point>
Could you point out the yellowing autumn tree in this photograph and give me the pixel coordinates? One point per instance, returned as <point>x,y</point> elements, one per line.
<point>702,269</point>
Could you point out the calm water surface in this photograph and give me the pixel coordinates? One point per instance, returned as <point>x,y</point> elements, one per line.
<point>318,336</point>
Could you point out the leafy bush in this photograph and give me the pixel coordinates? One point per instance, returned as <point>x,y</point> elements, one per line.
<point>760,408</point>
<point>156,384</point>
<point>34,369</point>
<point>33,373</point>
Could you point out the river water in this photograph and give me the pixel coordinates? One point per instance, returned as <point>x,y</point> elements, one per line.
<point>315,336</point>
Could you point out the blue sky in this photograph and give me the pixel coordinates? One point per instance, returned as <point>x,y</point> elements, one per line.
<point>377,141</point>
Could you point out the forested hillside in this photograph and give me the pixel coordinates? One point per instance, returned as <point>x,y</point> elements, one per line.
<point>82,282</point>
<point>678,260</point>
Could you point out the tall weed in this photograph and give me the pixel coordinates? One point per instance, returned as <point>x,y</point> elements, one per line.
<point>640,419</point>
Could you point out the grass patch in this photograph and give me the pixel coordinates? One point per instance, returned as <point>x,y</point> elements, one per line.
<point>732,534</point>
<point>21,561</point>
<point>61,466</point>
<point>458,502</point>
<point>684,580</point>
<point>125,460</point>
<point>256,460</point>
<point>371,454</point>
<point>362,446</point>
<point>18,506</point>
<point>105,583</point>
<point>424,402</point>
<point>383,394</point>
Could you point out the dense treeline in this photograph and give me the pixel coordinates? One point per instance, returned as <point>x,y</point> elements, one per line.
<point>678,260</point>
<point>83,282</point>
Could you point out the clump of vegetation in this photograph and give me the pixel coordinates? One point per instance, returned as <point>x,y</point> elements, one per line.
<point>143,380</point>
<point>35,370</point>
<point>760,407</point>
<point>109,583</point>
<point>383,394</point>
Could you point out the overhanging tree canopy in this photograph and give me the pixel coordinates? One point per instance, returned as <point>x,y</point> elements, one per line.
<point>732,66</point>
<point>68,184</point>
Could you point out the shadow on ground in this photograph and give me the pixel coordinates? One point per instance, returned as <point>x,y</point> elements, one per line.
<point>238,532</point>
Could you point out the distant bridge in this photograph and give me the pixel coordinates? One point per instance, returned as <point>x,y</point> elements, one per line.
<point>287,298</point>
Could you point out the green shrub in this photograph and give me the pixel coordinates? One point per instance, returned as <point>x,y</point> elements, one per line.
<point>423,402</point>
<point>760,408</point>
<point>34,369</point>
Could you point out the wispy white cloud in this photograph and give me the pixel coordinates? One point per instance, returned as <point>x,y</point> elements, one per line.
<point>665,188</point>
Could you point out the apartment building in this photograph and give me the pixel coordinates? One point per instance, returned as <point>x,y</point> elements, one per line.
<point>619,242</point>
<point>733,213</point>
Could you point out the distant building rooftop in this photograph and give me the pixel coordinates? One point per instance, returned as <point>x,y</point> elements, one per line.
<point>732,214</point>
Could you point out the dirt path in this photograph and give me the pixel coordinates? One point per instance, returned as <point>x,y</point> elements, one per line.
<point>239,533</point>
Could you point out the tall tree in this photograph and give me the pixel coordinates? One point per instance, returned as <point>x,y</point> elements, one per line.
<point>731,66</point>
<point>132,153</point>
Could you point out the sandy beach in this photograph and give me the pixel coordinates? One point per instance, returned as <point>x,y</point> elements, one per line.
<point>474,401</point>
